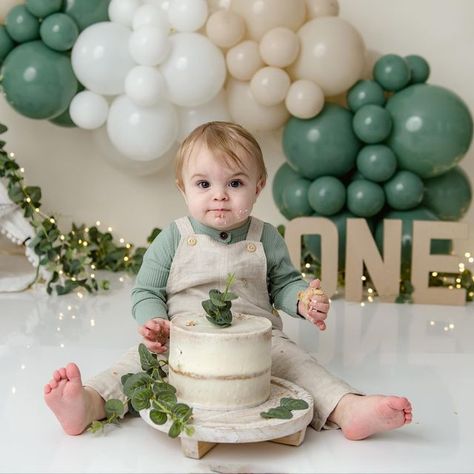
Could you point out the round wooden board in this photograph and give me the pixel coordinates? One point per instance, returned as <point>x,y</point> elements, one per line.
<point>246,425</point>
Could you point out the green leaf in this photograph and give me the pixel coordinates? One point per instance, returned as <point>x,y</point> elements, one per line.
<point>217,298</point>
<point>230,296</point>
<point>158,417</point>
<point>136,382</point>
<point>175,429</point>
<point>148,360</point>
<point>34,192</point>
<point>167,397</point>
<point>279,412</point>
<point>3,128</point>
<point>293,404</point>
<point>161,386</point>
<point>114,407</point>
<point>141,398</point>
<point>182,411</point>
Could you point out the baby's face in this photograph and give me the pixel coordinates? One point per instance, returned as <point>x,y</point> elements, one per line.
<point>219,195</point>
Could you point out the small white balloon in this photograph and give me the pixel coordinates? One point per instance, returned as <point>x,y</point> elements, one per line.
<point>149,45</point>
<point>88,110</point>
<point>100,58</point>
<point>142,132</point>
<point>243,60</point>
<point>145,85</point>
<point>270,85</point>
<point>150,15</point>
<point>316,8</point>
<point>279,47</point>
<point>187,15</point>
<point>305,99</point>
<point>122,11</point>
<point>162,4</point>
<point>225,28</point>
<point>215,5</point>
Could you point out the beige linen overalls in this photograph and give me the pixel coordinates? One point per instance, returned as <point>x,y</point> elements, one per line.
<point>202,263</point>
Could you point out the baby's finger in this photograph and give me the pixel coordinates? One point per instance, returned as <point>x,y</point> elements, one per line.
<point>321,325</point>
<point>315,283</point>
<point>321,307</point>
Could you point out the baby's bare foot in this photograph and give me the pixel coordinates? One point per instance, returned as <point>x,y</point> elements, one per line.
<point>362,416</point>
<point>69,400</point>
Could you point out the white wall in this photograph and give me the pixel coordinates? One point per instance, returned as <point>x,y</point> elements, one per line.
<point>81,186</point>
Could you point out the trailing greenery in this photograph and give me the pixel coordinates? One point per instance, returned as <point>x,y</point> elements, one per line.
<point>284,411</point>
<point>149,390</point>
<point>217,307</point>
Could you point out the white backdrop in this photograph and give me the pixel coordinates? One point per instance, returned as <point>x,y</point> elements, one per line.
<point>81,186</point>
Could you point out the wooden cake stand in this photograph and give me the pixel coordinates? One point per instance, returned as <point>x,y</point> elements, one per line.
<point>245,425</point>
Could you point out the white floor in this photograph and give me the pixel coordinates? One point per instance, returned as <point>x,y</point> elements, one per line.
<point>423,352</point>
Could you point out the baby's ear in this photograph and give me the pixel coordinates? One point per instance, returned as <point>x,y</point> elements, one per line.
<point>260,185</point>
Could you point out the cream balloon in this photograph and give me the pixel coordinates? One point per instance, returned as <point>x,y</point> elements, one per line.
<point>215,5</point>
<point>317,8</point>
<point>263,15</point>
<point>150,15</point>
<point>225,28</point>
<point>332,54</point>
<point>187,15</point>
<point>145,85</point>
<point>122,11</point>
<point>305,99</point>
<point>149,45</point>
<point>371,57</point>
<point>100,58</point>
<point>194,71</point>
<point>279,47</point>
<point>244,109</point>
<point>270,85</point>
<point>243,60</point>
<point>88,110</point>
<point>6,6</point>
<point>142,132</point>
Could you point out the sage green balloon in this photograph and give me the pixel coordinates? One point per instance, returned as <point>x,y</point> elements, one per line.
<point>365,198</point>
<point>43,8</point>
<point>59,31</point>
<point>377,162</point>
<point>449,195</point>
<point>392,72</point>
<point>21,25</point>
<point>365,92</point>
<point>327,195</point>
<point>372,123</point>
<point>295,198</point>
<point>432,129</point>
<point>419,68</point>
<point>407,217</point>
<point>87,12</point>
<point>321,146</point>
<point>63,120</point>
<point>6,43</point>
<point>284,175</point>
<point>37,81</point>
<point>404,190</point>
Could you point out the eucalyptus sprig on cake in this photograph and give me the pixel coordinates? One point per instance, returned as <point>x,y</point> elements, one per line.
<point>218,306</point>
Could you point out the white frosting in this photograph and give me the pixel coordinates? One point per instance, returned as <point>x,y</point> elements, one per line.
<point>220,368</point>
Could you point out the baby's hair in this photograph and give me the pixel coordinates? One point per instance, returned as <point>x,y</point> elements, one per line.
<point>225,139</point>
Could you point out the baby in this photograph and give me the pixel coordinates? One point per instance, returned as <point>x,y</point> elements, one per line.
<point>220,172</point>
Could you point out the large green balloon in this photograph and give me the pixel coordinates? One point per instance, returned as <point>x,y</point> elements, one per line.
<point>295,199</point>
<point>432,129</point>
<point>377,162</point>
<point>284,176</point>
<point>365,93</point>
<point>404,191</point>
<point>372,123</point>
<point>392,72</point>
<point>6,43</point>
<point>327,195</point>
<point>407,217</point>
<point>21,25</point>
<point>43,8</point>
<point>365,198</point>
<point>448,195</point>
<point>323,145</point>
<point>87,12</point>
<point>59,31</point>
<point>37,81</point>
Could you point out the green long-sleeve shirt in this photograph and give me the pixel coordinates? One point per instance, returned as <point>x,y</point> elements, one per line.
<point>149,293</point>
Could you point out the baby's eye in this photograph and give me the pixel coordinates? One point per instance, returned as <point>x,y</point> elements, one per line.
<point>203,184</point>
<point>235,183</point>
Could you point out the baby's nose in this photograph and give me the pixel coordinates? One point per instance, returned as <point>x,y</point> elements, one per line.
<point>220,194</point>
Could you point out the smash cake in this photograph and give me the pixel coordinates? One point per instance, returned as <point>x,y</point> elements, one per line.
<point>217,368</point>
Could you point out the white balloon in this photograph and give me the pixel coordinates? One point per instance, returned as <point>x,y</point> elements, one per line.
<point>150,15</point>
<point>270,85</point>
<point>100,57</point>
<point>145,85</point>
<point>88,110</point>
<point>194,70</point>
<point>192,117</point>
<point>149,45</point>
<point>187,15</point>
<point>163,4</point>
<point>122,11</point>
<point>142,132</point>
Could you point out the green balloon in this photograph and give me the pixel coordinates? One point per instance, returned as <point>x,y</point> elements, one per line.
<point>6,43</point>
<point>365,93</point>
<point>327,195</point>
<point>43,8</point>
<point>365,198</point>
<point>59,31</point>
<point>377,162</point>
<point>37,81</point>
<point>372,123</point>
<point>295,198</point>
<point>432,129</point>
<point>449,195</point>
<point>21,25</point>
<point>404,191</point>
<point>284,176</point>
<point>392,72</point>
<point>419,68</point>
<point>87,12</point>
<point>63,120</point>
<point>313,242</point>
<point>323,145</point>
<point>407,217</point>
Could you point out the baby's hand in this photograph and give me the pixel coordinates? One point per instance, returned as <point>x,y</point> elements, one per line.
<point>313,304</point>
<point>155,334</point>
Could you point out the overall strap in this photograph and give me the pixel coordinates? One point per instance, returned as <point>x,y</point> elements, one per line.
<point>184,226</point>
<point>255,230</point>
